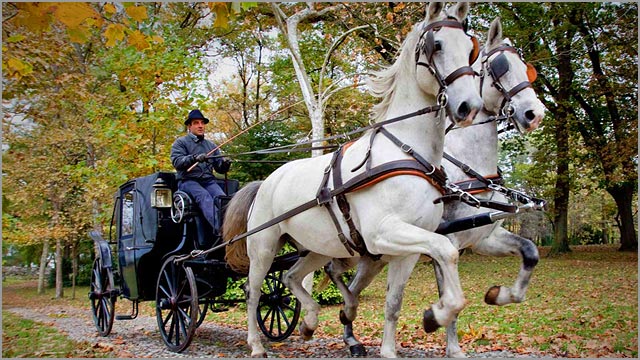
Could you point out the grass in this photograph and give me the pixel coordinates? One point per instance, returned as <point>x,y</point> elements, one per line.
<point>581,304</point>
<point>26,338</point>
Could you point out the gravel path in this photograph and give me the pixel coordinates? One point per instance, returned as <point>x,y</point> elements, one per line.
<point>140,338</point>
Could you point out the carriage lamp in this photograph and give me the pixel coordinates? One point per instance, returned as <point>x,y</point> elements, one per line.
<point>161,194</point>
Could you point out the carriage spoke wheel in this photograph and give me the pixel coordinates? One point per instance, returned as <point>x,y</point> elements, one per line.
<point>176,305</point>
<point>203,306</point>
<point>103,298</point>
<point>278,310</point>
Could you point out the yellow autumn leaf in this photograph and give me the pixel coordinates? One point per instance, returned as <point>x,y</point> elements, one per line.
<point>19,67</point>
<point>78,35</point>
<point>33,16</point>
<point>137,13</point>
<point>110,9</point>
<point>139,40</point>
<point>157,39</point>
<point>222,14</point>
<point>114,33</point>
<point>73,14</point>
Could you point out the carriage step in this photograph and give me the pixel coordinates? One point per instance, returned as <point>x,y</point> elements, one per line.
<point>125,317</point>
<point>216,310</point>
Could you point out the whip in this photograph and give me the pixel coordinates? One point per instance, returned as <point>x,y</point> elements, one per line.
<point>244,131</point>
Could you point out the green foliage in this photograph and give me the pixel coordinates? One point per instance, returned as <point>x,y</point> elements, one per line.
<point>588,235</point>
<point>20,255</point>
<point>85,265</point>
<point>331,295</point>
<point>265,136</point>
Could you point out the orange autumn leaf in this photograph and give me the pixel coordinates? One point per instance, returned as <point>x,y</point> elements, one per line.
<point>139,40</point>
<point>73,14</point>
<point>137,13</point>
<point>35,17</point>
<point>114,33</point>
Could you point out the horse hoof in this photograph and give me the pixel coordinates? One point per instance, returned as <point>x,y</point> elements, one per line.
<point>358,350</point>
<point>263,355</point>
<point>429,321</point>
<point>305,332</point>
<point>343,318</point>
<point>491,296</point>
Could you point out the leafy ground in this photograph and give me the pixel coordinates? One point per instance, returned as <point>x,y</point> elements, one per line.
<point>582,304</point>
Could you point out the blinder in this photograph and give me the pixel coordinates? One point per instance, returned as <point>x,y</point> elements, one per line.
<point>500,65</point>
<point>430,46</point>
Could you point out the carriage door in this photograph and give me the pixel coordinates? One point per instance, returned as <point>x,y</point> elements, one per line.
<point>126,242</point>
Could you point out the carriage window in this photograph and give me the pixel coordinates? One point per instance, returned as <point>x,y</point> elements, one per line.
<point>126,223</point>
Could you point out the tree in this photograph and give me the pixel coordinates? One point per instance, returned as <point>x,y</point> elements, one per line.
<point>315,99</point>
<point>57,174</point>
<point>578,71</point>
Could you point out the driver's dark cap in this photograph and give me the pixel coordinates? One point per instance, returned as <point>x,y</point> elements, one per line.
<point>195,114</point>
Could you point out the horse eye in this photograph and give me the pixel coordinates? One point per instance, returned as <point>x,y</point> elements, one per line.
<point>437,46</point>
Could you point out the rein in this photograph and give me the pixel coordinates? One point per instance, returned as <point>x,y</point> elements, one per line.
<point>350,185</point>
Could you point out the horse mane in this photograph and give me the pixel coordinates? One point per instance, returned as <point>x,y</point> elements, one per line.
<point>382,83</point>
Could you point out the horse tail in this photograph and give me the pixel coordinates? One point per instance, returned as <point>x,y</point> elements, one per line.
<point>235,223</point>
<point>322,285</point>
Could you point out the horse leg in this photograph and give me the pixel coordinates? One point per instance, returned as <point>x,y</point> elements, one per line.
<point>367,270</point>
<point>502,243</point>
<point>398,238</point>
<point>334,270</point>
<point>400,269</point>
<point>453,344</point>
<point>262,249</point>
<point>293,280</point>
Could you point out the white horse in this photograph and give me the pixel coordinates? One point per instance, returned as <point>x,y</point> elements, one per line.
<point>396,217</point>
<point>506,90</point>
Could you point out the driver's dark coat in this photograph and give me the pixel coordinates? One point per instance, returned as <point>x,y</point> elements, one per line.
<point>183,152</point>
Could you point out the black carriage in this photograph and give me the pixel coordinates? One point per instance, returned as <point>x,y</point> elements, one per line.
<point>156,234</point>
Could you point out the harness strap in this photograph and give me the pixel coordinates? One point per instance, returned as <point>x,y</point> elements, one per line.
<point>482,203</point>
<point>475,186</point>
<point>324,198</point>
<point>469,171</point>
<point>465,70</point>
<point>357,242</point>
<point>437,174</point>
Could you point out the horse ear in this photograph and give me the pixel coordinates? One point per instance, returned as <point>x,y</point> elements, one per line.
<point>433,10</point>
<point>461,11</point>
<point>494,37</point>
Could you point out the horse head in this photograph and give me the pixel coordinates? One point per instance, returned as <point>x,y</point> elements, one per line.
<point>506,87</point>
<point>443,56</point>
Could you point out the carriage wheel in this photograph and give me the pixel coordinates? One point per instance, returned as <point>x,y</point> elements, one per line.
<point>203,306</point>
<point>178,208</point>
<point>176,305</point>
<point>103,298</point>
<point>278,310</point>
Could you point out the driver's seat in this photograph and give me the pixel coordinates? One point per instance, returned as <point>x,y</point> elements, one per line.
<point>197,227</point>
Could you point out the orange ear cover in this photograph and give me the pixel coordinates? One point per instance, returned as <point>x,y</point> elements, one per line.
<point>476,50</point>
<point>532,74</point>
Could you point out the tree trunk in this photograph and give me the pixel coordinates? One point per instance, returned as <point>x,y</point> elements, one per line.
<point>562,119</point>
<point>623,196</point>
<point>44,261</point>
<point>59,270</point>
<point>74,267</point>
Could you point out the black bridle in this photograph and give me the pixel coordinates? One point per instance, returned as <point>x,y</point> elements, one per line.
<point>497,68</point>
<point>428,46</point>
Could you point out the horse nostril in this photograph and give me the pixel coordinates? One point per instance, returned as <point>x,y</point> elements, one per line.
<point>530,115</point>
<point>463,110</point>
